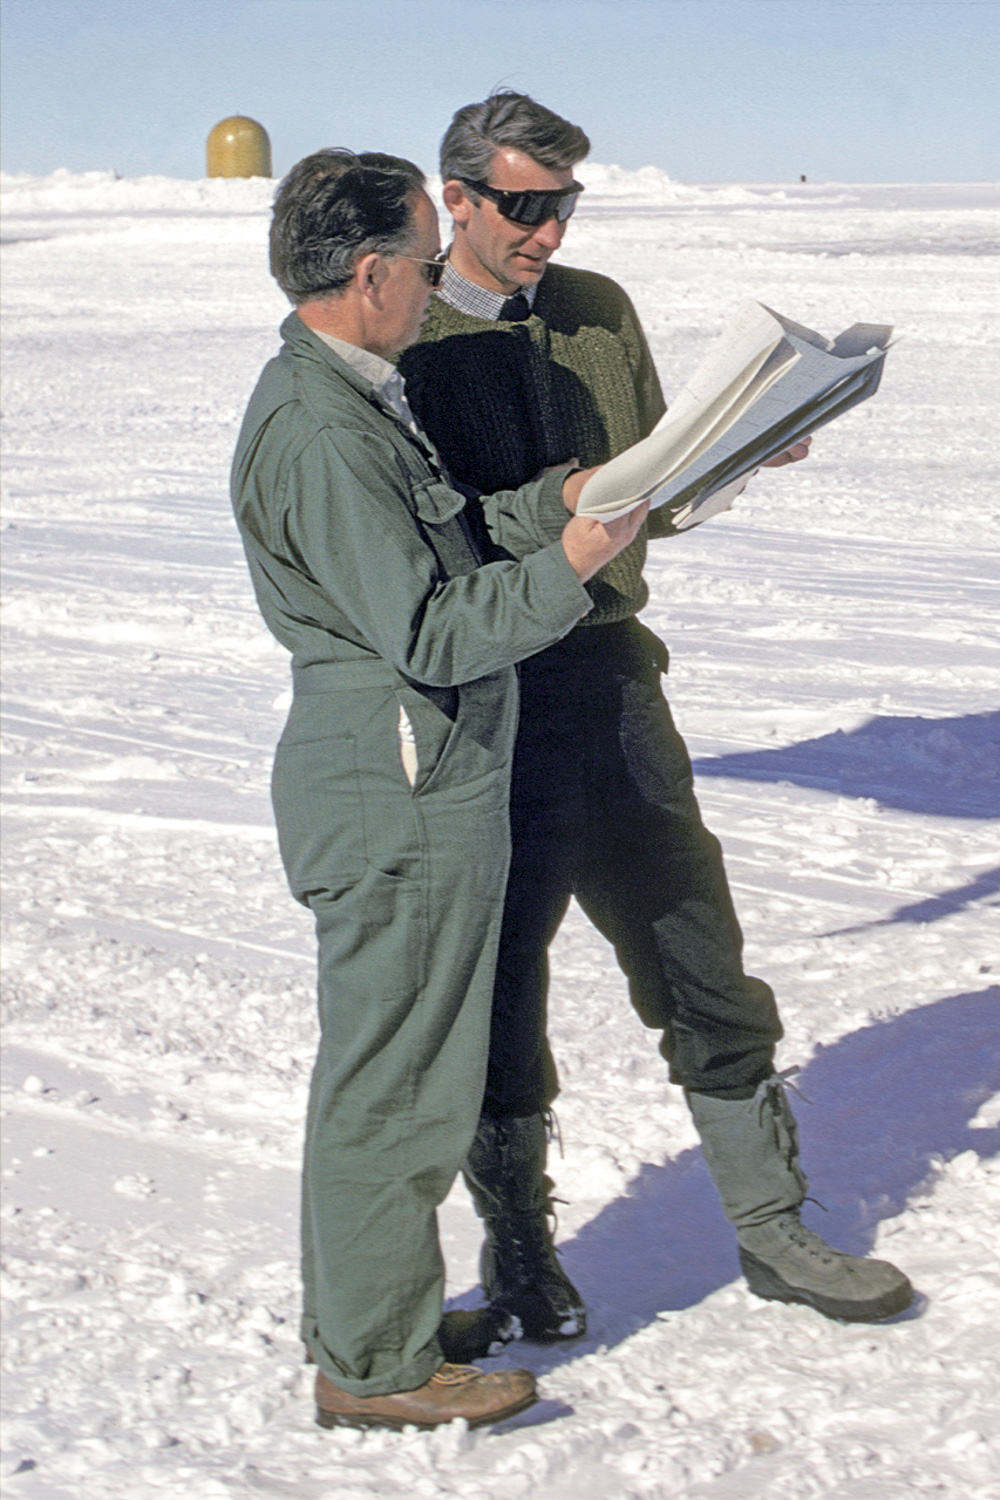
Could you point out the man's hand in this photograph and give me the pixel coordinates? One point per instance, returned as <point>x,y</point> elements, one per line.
<point>791,455</point>
<point>574,483</point>
<point>589,544</point>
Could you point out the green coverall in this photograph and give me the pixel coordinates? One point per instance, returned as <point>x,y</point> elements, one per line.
<point>367,567</point>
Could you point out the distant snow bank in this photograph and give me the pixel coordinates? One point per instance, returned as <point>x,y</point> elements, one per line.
<point>105,192</point>
<point>609,189</point>
<point>652,185</point>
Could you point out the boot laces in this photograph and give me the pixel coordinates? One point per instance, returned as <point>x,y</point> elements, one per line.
<point>806,1239</point>
<point>448,1374</point>
<point>524,1256</point>
<point>553,1130</point>
<point>528,1241</point>
<point>771,1091</point>
<point>770,1094</point>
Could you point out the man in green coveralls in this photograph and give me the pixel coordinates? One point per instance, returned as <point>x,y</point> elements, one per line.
<point>522,364</point>
<point>391,779</point>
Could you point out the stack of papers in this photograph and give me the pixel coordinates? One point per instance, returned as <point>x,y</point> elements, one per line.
<point>765,383</point>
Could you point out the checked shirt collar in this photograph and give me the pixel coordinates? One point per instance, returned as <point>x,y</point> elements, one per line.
<point>477,301</point>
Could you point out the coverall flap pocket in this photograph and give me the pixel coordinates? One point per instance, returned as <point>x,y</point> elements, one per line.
<point>436,501</point>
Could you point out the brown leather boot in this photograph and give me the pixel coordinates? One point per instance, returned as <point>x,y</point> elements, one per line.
<point>452,1391</point>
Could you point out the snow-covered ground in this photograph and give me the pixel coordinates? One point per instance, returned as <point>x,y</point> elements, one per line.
<point>836,671</point>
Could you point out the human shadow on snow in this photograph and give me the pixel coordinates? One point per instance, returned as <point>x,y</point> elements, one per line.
<point>933,908</point>
<point>884,1103</point>
<point>942,767</point>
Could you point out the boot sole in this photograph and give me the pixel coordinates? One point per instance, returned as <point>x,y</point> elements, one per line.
<point>331,1419</point>
<point>764,1280</point>
<point>547,1336</point>
<point>535,1334</point>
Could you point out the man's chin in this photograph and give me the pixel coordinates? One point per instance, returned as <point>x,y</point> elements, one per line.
<point>529,273</point>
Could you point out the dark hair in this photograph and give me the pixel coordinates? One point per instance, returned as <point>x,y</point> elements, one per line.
<point>334,207</point>
<point>477,131</point>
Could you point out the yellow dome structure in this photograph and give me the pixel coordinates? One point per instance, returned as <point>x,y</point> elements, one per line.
<point>238,147</point>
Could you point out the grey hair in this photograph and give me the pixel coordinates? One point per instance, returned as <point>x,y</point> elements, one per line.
<point>506,118</point>
<point>333,208</point>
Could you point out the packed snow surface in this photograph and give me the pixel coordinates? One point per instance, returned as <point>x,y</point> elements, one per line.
<point>836,673</point>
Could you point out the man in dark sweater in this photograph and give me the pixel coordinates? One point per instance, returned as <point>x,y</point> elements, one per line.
<point>521,366</point>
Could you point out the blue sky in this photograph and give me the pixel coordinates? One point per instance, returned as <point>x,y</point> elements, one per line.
<point>709,90</point>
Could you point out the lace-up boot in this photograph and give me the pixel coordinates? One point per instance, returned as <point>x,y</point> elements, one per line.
<point>787,1262</point>
<point>751,1149</point>
<point>452,1391</point>
<point>505,1173</point>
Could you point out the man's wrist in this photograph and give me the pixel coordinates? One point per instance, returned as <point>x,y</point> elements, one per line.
<point>572,487</point>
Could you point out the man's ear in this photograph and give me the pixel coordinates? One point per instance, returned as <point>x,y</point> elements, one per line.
<point>369,274</point>
<point>456,201</point>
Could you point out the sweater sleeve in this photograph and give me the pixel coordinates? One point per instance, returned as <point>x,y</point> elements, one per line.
<point>348,523</point>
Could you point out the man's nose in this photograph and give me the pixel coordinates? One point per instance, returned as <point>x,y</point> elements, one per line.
<point>550,234</point>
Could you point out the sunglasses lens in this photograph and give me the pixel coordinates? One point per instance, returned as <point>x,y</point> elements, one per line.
<point>532,209</point>
<point>432,271</point>
<point>516,207</point>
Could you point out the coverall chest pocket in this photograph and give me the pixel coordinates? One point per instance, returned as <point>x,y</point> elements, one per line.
<point>436,501</point>
<point>439,508</point>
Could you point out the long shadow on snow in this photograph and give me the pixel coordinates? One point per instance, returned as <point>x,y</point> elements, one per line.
<point>933,908</point>
<point>884,1102</point>
<point>945,767</point>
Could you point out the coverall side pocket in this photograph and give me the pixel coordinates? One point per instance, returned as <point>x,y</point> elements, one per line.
<point>431,714</point>
<point>318,813</point>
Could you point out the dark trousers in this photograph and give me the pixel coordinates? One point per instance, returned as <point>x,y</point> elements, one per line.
<point>603,809</point>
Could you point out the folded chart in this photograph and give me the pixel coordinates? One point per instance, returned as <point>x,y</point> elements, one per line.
<point>765,383</point>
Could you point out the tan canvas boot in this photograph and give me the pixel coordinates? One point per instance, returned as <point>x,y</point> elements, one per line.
<point>751,1149</point>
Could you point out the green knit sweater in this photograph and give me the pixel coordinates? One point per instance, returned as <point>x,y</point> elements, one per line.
<point>503,400</point>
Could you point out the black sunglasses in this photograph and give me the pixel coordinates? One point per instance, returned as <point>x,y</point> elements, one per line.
<point>431,270</point>
<point>529,206</point>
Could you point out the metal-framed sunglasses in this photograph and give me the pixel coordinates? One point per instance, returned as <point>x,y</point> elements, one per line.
<point>431,270</point>
<point>530,206</point>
